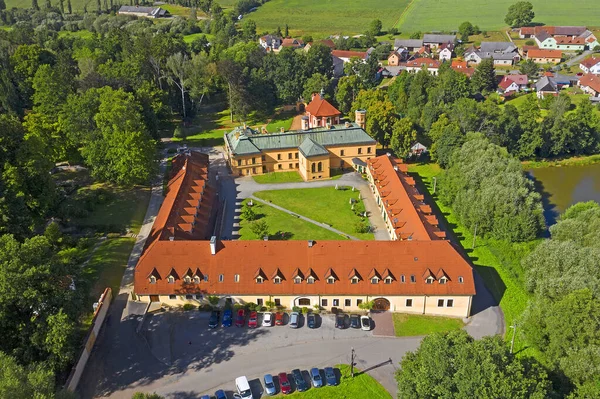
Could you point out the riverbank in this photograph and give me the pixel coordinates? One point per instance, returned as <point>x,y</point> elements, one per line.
<point>573,161</point>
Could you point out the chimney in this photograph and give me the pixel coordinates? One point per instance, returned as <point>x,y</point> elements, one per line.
<point>282,129</point>
<point>266,238</point>
<point>347,124</point>
<point>361,118</point>
<point>213,245</point>
<point>171,238</point>
<point>322,93</point>
<point>389,154</point>
<point>305,123</point>
<point>314,95</point>
<point>311,243</point>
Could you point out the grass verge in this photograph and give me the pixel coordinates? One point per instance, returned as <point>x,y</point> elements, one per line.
<point>361,386</point>
<point>497,262</point>
<point>573,161</point>
<point>278,177</point>
<point>324,204</point>
<point>283,226</point>
<point>410,325</point>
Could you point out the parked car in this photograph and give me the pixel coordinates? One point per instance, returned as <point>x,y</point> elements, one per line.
<point>365,323</point>
<point>279,319</point>
<point>294,319</point>
<point>267,319</point>
<point>213,322</point>
<point>315,377</point>
<point>311,320</point>
<point>354,321</point>
<point>330,378</point>
<point>220,394</point>
<point>253,320</point>
<point>301,385</point>
<point>340,321</point>
<point>284,383</point>
<point>269,384</point>
<point>227,318</point>
<point>240,318</point>
<point>243,387</point>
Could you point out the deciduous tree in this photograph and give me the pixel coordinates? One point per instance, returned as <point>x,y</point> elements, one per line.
<point>519,14</point>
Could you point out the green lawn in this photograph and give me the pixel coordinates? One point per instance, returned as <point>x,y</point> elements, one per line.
<point>324,18</point>
<point>410,325</point>
<point>278,177</point>
<point>285,226</point>
<point>281,120</point>
<point>190,38</point>
<point>439,15</point>
<point>362,386</point>
<point>325,205</point>
<point>497,262</point>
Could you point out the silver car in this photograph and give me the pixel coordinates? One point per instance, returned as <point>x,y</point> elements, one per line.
<point>294,319</point>
<point>269,385</point>
<point>267,319</point>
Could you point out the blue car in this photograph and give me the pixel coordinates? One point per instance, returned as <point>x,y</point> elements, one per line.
<point>330,377</point>
<point>220,394</point>
<point>315,377</point>
<point>227,318</point>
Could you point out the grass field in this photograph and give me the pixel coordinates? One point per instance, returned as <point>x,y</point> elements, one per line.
<point>497,262</point>
<point>325,205</point>
<point>409,325</point>
<point>278,177</point>
<point>359,387</point>
<point>281,223</point>
<point>322,18</point>
<point>438,15</point>
<point>281,120</point>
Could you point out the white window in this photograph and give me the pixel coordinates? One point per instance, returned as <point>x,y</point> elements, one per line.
<point>409,303</point>
<point>187,279</point>
<point>323,302</point>
<point>206,277</point>
<point>450,303</point>
<point>198,296</point>
<point>429,280</point>
<point>330,280</point>
<point>336,302</point>
<point>460,279</point>
<point>259,301</point>
<point>189,296</point>
<point>171,279</point>
<point>359,301</point>
<point>297,280</point>
<point>152,280</point>
<point>221,278</point>
<point>197,279</point>
<point>413,279</point>
<point>387,280</point>
<point>403,278</point>
<point>375,280</point>
<point>443,280</point>
<point>354,280</point>
<point>310,280</point>
<point>277,280</point>
<point>259,280</point>
<point>236,278</point>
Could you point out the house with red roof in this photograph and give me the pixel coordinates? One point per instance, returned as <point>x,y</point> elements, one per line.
<point>542,56</point>
<point>321,113</point>
<point>590,65</point>
<point>431,65</point>
<point>512,84</point>
<point>346,56</point>
<point>590,84</point>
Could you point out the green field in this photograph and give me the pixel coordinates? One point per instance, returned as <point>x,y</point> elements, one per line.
<point>322,18</point>
<point>409,325</point>
<point>325,205</point>
<point>438,15</point>
<point>278,177</point>
<point>281,223</point>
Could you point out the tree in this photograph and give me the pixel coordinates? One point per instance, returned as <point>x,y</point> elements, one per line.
<point>69,7</point>
<point>315,84</point>
<point>403,136</point>
<point>249,30</point>
<point>375,27</point>
<point>529,68</point>
<point>193,14</point>
<point>484,77</point>
<point>248,213</point>
<point>259,228</point>
<point>2,5</point>
<point>466,29</point>
<point>346,91</point>
<point>34,5</point>
<point>519,14</point>
<point>18,382</point>
<point>140,395</point>
<point>454,365</point>
<point>179,71</point>
<point>61,4</point>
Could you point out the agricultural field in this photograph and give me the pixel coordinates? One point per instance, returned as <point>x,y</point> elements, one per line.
<point>322,18</point>
<point>76,4</point>
<point>438,15</point>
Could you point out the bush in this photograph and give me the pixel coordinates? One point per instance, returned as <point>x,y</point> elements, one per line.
<point>529,43</point>
<point>237,306</point>
<point>305,310</point>
<point>179,133</point>
<point>251,306</point>
<point>188,306</point>
<point>205,308</point>
<point>362,227</point>
<point>366,305</point>
<point>213,300</point>
<point>296,309</point>
<point>270,304</point>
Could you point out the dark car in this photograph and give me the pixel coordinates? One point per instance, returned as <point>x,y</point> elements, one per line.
<point>220,394</point>
<point>301,385</point>
<point>284,383</point>
<point>354,321</point>
<point>340,321</point>
<point>240,318</point>
<point>213,322</point>
<point>311,320</point>
<point>227,318</point>
<point>330,378</point>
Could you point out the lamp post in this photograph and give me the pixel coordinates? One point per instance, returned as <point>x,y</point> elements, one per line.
<point>512,341</point>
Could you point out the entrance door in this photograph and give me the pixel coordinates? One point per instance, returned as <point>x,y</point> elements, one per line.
<point>154,298</point>
<point>381,304</point>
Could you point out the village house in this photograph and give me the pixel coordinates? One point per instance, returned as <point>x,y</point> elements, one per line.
<point>542,56</point>
<point>270,42</point>
<point>293,43</point>
<point>590,65</point>
<point>431,65</point>
<point>394,58</point>
<point>410,45</point>
<point>545,86</point>
<point>566,38</point>
<point>327,42</point>
<point>446,52</point>
<point>513,84</point>
<point>419,273</point>
<point>590,84</point>
<point>462,67</point>
<point>564,43</point>
<point>503,53</point>
<point>346,56</point>
<point>144,12</point>
<point>435,41</point>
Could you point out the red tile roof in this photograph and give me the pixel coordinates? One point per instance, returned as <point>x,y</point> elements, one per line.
<point>419,62</point>
<point>349,54</point>
<point>291,43</point>
<point>569,40</point>
<point>248,259</point>
<point>542,53</point>
<point>591,81</point>
<point>590,62</point>
<point>321,107</point>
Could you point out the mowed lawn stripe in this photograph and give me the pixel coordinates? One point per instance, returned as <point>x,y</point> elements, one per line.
<point>437,15</point>
<point>325,205</point>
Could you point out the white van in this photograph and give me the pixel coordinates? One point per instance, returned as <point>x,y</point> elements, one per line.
<point>243,388</point>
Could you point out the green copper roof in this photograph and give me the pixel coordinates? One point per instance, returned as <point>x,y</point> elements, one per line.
<point>309,148</point>
<point>246,141</point>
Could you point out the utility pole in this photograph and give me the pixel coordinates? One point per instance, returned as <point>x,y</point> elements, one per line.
<point>512,341</point>
<point>474,236</point>
<point>352,363</point>
<point>434,183</point>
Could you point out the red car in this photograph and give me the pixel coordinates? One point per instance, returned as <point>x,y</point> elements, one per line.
<point>284,383</point>
<point>240,318</point>
<point>279,319</point>
<point>253,321</point>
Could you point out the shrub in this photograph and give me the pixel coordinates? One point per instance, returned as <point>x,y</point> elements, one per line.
<point>529,43</point>
<point>188,306</point>
<point>205,308</point>
<point>362,227</point>
<point>366,305</point>
<point>237,306</point>
<point>296,309</point>
<point>213,300</point>
<point>305,310</point>
<point>251,306</point>
<point>179,133</point>
<point>270,304</point>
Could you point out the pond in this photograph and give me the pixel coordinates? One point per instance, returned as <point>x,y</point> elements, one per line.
<point>564,186</point>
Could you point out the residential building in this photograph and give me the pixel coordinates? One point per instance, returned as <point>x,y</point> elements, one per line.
<point>462,67</point>
<point>565,43</point>
<point>409,44</point>
<point>565,38</point>
<point>321,113</point>
<point>545,86</point>
<point>327,42</point>
<point>270,42</point>
<point>590,65</point>
<point>293,43</point>
<point>311,152</point>
<point>503,53</point>
<point>395,58</point>
<point>435,41</point>
<point>513,84</point>
<point>420,276</point>
<point>542,56</point>
<point>144,12</point>
<point>446,52</point>
<point>431,65</point>
<point>346,56</point>
<point>590,84</point>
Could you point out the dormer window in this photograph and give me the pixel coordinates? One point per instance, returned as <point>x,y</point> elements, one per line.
<point>152,280</point>
<point>330,280</point>
<point>277,280</point>
<point>259,280</point>
<point>443,280</point>
<point>171,279</point>
<point>375,280</point>
<point>429,280</point>
<point>297,280</point>
<point>197,279</point>
<point>187,279</point>
<point>310,280</point>
<point>354,280</point>
<point>387,280</point>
